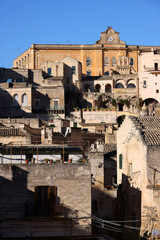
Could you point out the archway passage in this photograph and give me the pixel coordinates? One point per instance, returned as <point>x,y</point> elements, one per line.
<point>108,88</point>
<point>150,104</point>
<point>97,88</point>
<point>149,101</point>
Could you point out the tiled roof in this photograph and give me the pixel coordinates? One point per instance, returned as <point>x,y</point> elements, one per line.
<point>149,128</point>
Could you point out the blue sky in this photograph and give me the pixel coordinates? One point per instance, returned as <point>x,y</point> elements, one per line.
<point>24,22</point>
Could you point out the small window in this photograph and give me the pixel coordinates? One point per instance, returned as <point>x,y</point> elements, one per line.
<point>144,83</point>
<point>106,61</point>
<point>49,70</point>
<point>89,73</point>
<point>73,69</point>
<point>37,103</point>
<point>55,104</point>
<point>157,90</point>
<point>16,100</point>
<point>156,66</point>
<point>131,61</point>
<point>88,61</point>
<point>24,100</point>
<point>114,61</point>
<point>120,161</point>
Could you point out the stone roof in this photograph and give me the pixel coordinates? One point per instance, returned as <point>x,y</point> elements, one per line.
<point>149,128</point>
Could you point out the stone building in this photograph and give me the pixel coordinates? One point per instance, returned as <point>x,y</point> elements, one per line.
<point>95,58</point>
<point>149,76</point>
<point>138,173</point>
<point>45,200</point>
<point>25,91</point>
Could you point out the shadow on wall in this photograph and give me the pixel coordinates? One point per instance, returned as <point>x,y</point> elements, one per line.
<point>74,98</point>
<point>27,213</point>
<point>9,106</point>
<point>127,208</point>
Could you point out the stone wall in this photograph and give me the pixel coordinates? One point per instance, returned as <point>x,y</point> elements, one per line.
<point>17,187</point>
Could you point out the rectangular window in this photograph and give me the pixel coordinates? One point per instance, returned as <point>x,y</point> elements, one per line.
<point>73,69</point>
<point>49,70</point>
<point>37,103</point>
<point>120,161</point>
<point>55,104</point>
<point>156,66</point>
<point>144,83</point>
<point>157,90</point>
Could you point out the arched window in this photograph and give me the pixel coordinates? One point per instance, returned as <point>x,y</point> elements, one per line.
<point>89,73</point>
<point>88,61</point>
<point>106,73</point>
<point>119,85</point>
<point>108,88</point>
<point>24,100</point>
<point>16,100</point>
<point>131,61</point>
<point>131,85</point>
<point>9,80</point>
<point>106,61</point>
<point>97,88</point>
<point>114,61</point>
<point>87,87</point>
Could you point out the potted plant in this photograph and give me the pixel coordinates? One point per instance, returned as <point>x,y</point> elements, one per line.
<point>83,109</point>
<point>70,160</point>
<point>51,161</point>
<point>26,161</point>
<point>46,160</point>
<point>76,109</point>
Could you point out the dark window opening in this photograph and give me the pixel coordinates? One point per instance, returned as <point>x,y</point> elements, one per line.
<point>89,73</point>
<point>131,62</point>
<point>49,70</point>
<point>73,69</point>
<point>88,61</point>
<point>120,161</point>
<point>157,91</point>
<point>156,66</point>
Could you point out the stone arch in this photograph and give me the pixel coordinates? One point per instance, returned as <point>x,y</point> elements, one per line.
<point>24,100</point>
<point>16,100</point>
<point>108,88</point>
<point>148,101</point>
<point>97,88</point>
